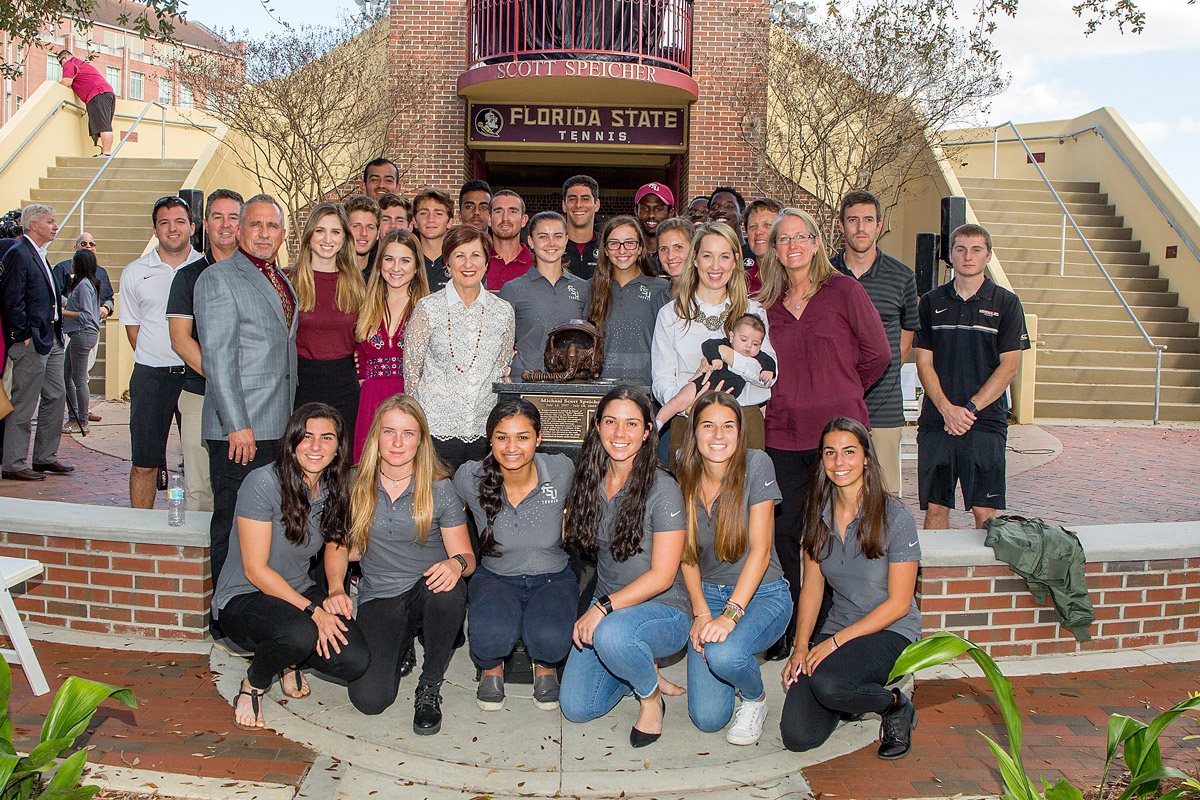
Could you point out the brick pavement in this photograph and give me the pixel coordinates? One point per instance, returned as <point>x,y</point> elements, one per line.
<point>181,725</point>
<point>1065,719</point>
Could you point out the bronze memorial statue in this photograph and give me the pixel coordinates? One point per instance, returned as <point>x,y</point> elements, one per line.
<point>574,351</point>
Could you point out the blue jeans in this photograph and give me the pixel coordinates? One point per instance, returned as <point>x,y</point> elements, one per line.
<point>537,609</point>
<point>728,667</point>
<point>621,659</point>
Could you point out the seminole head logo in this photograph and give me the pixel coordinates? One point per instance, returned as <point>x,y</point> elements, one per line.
<point>488,123</point>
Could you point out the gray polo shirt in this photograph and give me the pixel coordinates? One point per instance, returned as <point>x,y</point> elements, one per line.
<point>540,306</point>
<point>395,560</point>
<point>259,499</point>
<point>859,583</point>
<point>633,309</point>
<point>761,487</point>
<point>892,288</point>
<point>528,536</point>
<point>664,512</point>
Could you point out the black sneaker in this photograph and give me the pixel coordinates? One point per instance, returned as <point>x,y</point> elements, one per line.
<point>409,661</point>
<point>895,730</point>
<point>427,718</point>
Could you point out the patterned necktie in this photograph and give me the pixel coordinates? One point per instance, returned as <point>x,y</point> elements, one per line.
<point>285,297</point>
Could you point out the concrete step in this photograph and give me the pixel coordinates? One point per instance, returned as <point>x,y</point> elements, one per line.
<point>142,198</point>
<point>1042,195</point>
<point>1051,255</point>
<point>1034,206</point>
<point>1114,327</point>
<point>1130,342</point>
<point>1094,233</point>
<point>108,236</point>
<point>117,181</point>
<point>992,218</point>
<point>145,173</point>
<point>1102,409</point>
<point>1074,245</point>
<point>1116,393</point>
<point>1029,184</point>
<point>1139,359</point>
<point>1115,376</point>
<point>1097,297</point>
<point>1025,266</point>
<point>1092,283</point>
<point>121,162</point>
<point>120,209</point>
<point>1105,312</point>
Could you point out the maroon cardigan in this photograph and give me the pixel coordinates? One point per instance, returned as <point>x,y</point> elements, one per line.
<point>828,358</point>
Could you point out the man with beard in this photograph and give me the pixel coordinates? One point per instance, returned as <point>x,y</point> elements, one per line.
<point>475,203</point>
<point>652,205</point>
<point>509,257</point>
<point>380,177</point>
<point>892,288</point>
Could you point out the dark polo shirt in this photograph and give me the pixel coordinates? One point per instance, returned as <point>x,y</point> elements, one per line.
<point>582,262</point>
<point>181,303</point>
<point>967,338</point>
<point>633,310</point>
<point>539,307</point>
<point>436,272</point>
<point>892,288</point>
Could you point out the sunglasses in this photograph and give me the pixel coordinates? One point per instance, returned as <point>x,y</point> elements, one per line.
<point>92,245</point>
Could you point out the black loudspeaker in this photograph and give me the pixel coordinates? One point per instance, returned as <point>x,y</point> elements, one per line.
<point>926,266</point>
<point>195,200</point>
<point>954,213</point>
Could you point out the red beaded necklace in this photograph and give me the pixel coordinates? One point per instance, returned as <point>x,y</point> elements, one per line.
<point>478,339</point>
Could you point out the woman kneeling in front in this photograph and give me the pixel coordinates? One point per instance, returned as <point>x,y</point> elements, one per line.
<point>524,589</point>
<point>628,512</point>
<point>739,596</point>
<point>265,599</point>
<point>864,542</point>
<point>409,530</point>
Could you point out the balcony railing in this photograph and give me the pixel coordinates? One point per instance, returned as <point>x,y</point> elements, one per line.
<point>653,32</point>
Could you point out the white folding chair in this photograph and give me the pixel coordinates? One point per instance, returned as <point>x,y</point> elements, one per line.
<point>19,570</point>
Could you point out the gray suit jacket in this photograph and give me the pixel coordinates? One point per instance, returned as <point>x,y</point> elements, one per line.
<point>249,354</point>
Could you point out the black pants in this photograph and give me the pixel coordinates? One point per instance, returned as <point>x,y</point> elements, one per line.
<point>227,476</point>
<point>849,681</point>
<point>281,635</point>
<point>793,469</point>
<point>457,452</point>
<point>334,382</point>
<point>387,624</point>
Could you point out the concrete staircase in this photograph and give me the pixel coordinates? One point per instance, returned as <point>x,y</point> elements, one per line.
<point>1092,361</point>
<point>116,212</point>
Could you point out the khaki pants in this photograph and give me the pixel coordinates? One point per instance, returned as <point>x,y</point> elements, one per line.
<point>195,454</point>
<point>887,450</point>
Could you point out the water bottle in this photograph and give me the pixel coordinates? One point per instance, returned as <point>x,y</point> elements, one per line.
<point>175,500</point>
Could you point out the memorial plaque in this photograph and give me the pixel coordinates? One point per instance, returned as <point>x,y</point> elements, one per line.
<point>565,418</point>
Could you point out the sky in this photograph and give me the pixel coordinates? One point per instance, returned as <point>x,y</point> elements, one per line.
<point>1057,72</point>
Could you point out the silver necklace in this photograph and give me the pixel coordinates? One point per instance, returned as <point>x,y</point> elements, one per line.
<point>395,482</point>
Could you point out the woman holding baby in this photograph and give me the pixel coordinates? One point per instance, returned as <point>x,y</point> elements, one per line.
<point>711,304</point>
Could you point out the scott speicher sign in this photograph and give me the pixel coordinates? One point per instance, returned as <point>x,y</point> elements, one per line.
<point>500,125</point>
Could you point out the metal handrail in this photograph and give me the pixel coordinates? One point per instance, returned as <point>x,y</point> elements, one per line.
<point>79,203</point>
<point>45,119</point>
<point>996,141</point>
<point>1158,348</point>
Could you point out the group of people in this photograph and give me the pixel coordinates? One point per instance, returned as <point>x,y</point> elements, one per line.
<point>772,370</point>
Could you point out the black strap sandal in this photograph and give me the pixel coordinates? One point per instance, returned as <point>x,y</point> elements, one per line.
<point>296,675</point>
<point>255,696</point>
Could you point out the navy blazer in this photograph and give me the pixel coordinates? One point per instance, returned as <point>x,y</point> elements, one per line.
<point>29,300</point>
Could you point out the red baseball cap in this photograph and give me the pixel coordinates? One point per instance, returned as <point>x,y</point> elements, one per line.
<point>656,189</point>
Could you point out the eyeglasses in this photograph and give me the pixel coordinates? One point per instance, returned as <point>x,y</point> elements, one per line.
<point>628,244</point>
<point>784,241</point>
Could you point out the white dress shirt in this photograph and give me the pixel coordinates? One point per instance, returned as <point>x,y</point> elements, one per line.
<point>675,353</point>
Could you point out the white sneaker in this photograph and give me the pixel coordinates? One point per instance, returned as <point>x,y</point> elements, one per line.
<point>747,722</point>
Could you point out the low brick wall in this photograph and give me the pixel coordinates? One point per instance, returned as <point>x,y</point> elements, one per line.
<point>110,570</point>
<point>1139,602</point>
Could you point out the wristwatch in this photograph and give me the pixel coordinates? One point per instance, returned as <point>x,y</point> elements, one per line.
<point>461,559</point>
<point>605,604</point>
<point>311,609</point>
<point>970,406</point>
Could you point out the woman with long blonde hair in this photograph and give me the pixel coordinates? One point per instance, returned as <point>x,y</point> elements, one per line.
<point>738,593</point>
<point>329,290</point>
<point>831,346</point>
<point>408,530</point>
<point>396,284</point>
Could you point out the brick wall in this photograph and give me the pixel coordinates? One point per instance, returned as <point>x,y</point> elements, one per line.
<point>102,586</point>
<point>1137,604</point>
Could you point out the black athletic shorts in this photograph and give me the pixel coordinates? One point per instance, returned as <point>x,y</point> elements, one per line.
<point>100,113</point>
<point>975,459</point>
<point>153,395</point>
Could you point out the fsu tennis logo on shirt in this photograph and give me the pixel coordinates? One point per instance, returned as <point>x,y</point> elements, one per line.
<point>644,292</point>
<point>549,493</point>
<point>572,293</point>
